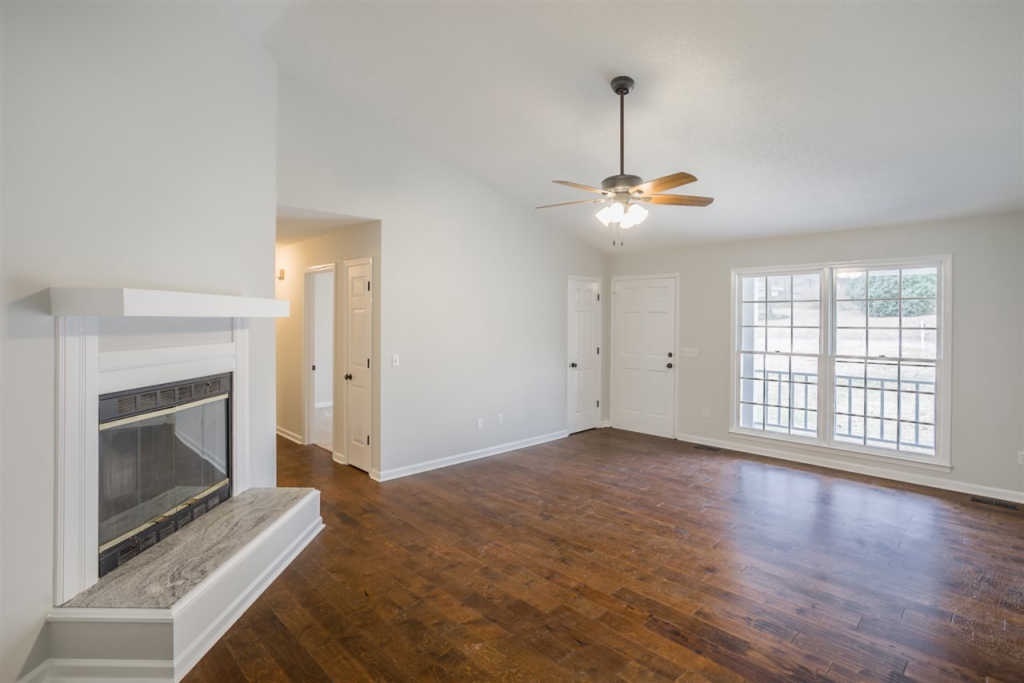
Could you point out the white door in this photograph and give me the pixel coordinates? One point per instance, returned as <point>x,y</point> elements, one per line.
<point>358,376</point>
<point>583,393</point>
<point>643,395</point>
<point>319,330</point>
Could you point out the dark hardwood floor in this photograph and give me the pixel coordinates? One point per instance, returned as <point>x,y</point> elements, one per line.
<point>616,556</point>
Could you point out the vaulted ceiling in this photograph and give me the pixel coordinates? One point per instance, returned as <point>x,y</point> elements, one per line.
<point>795,116</point>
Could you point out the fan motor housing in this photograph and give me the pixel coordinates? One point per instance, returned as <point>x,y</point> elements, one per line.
<point>620,183</point>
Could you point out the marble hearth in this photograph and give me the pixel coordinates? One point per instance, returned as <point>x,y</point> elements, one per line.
<point>167,606</point>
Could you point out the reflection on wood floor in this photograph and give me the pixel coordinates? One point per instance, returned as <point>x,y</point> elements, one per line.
<point>617,556</point>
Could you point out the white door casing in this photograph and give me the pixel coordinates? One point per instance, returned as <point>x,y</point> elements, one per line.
<point>644,334</point>
<point>358,361</point>
<point>583,385</point>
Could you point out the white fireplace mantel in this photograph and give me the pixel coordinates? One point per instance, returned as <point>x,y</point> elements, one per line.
<point>85,371</point>
<point>126,302</point>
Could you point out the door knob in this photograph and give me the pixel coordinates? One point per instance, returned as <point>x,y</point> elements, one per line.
<point>348,375</point>
<point>668,365</point>
<point>572,365</point>
<point>669,354</point>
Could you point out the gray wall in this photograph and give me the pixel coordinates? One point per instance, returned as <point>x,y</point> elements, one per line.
<point>473,286</point>
<point>988,329</point>
<point>139,151</point>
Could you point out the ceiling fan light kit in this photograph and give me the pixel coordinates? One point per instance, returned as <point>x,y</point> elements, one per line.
<point>622,193</point>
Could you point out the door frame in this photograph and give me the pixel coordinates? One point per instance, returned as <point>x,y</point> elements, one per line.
<point>374,361</point>
<point>675,345</point>
<point>308,330</point>
<point>600,336</point>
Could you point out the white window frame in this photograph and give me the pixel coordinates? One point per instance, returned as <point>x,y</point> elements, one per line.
<point>826,359</point>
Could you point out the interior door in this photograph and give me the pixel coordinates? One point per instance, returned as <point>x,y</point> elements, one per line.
<point>643,344</point>
<point>583,394</point>
<point>358,375</point>
<point>321,308</point>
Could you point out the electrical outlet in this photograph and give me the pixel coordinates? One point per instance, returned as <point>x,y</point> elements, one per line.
<point>480,423</point>
<point>501,418</point>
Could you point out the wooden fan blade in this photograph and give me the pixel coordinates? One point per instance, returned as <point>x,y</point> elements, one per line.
<point>578,201</point>
<point>664,183</point>
<point>677,199</point>
<point>578,186</point>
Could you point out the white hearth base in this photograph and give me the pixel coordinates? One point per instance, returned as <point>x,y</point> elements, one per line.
<point>163,644</point>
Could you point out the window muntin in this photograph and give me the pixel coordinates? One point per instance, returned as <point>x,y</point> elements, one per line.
<point>779,346</point>
<point>885,353</point>
<point>880,361</point>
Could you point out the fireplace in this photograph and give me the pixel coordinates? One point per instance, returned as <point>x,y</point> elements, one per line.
<point>164,460</point>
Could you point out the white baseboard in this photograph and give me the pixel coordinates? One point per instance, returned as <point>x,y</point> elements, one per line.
<point>386,475</point>
<point>99,670</point>
<point>291,436</point>
<point>604,424</point>
<point>858,468</point>
<point>339,458</point>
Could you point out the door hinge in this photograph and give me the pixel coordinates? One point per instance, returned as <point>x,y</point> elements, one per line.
<point>314,368</point>
<point>599,350</point>
<point>367,439</point>
<point>599,296</point>
<point>367,363</point>
<point>598,403</point>
<point>367,285</point>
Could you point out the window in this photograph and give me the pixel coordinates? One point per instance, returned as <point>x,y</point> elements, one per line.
<point>780,340</point>
<point>849,356</point>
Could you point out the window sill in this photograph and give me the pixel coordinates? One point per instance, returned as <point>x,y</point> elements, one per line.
<point>838,448</point>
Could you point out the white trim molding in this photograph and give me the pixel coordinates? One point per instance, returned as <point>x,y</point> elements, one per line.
<point>339,458</point>
<point>127,302</point>
<point>780,452</point>
<point>76,532</point>
<point>448,461</point>
<point>826,357</point>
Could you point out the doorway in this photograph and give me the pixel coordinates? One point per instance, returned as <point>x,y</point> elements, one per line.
<point>644,334</point>
<point>583,383</point>
<point>319,315</point>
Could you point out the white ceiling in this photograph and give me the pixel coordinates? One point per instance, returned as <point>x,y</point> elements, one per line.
<point>795,116</point>
<point>296,224</point>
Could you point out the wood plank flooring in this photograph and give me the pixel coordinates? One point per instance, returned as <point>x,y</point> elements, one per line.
<point>612,556</point>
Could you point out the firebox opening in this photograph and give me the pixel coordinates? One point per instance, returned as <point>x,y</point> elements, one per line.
<point>164,460</point>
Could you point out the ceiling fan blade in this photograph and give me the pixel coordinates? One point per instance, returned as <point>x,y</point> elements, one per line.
<point>578,186</point>
<point>578,201</point>
<point>665,183</point>
<point>677,199</point>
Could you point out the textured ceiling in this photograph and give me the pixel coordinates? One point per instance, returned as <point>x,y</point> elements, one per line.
<point>795,116</point>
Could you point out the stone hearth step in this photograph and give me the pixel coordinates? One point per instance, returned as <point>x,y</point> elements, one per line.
<point>156,616</point>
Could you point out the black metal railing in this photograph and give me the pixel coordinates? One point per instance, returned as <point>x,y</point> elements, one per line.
<point>903,389</point>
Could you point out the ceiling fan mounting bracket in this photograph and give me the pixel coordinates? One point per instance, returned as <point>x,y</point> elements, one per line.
<point>621,182</point>
<point>623,85</point>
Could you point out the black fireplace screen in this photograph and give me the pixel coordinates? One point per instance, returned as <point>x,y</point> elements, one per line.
<point>164,459</point>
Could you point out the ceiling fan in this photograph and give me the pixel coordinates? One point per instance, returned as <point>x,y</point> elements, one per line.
<point>623,194</point>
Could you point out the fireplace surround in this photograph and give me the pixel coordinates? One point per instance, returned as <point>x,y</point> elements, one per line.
<point>155,616</point>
